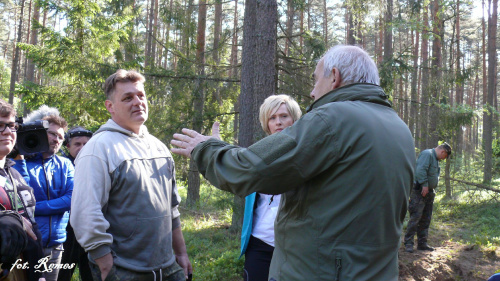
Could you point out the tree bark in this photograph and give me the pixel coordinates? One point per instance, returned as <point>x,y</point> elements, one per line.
<point>387,82</point>
<point>15,60</point>
<point>234,46</point>
<point>488,113</point>
<point>257,72</point>
<point>435,92</point>
<point>414,81</point>
<point>30,73</point>
<point>325,22</point>
<point>193,194</point>
<point>447,176</point>
<point>424,107</point>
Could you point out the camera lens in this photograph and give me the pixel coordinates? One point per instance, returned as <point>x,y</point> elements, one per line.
<point>31,141</point>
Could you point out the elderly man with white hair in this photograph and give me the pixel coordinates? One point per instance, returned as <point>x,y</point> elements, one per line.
<point>344,171</point>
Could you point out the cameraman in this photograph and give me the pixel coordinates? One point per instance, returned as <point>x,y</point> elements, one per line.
<point>18,230</point>
<point>51,178</point>
<point>74,140</point>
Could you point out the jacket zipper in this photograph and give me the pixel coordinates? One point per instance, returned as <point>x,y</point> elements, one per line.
<point>48,198</point>
<point>338,263</point>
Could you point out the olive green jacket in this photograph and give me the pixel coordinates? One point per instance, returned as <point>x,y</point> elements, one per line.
<point>427,171</point>
<point>345,170</point>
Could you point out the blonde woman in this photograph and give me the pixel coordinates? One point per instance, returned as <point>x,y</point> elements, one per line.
<point>257,237</point>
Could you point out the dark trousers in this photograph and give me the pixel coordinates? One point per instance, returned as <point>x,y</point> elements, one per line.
<point>74,253</point>
<point>257,260</point>
<point>420,216</point>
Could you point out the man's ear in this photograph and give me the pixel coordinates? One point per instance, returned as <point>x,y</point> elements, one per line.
<point>336,78</point>
<point>109,106</point>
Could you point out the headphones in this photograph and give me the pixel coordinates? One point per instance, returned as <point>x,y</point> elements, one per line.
<point>76,133</point>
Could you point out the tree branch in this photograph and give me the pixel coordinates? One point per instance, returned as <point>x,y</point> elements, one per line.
<point>482,186</point>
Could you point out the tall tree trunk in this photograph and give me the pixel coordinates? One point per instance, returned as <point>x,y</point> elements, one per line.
<point>436,89</point>
<point>257,73</point>
<point>265,76</point>
<point>447,177</point>
<point>246,99</point>
<point>15,60</point>
<point>488,113</point>
<point>325,22</point>
<point>238,202</point>
<point>30,73</point>
<point>216,50</point>
<point>234,46</point>
<point>414,81</point>
<point>460,81</point>
<point>167,36</point>
<point>301,38</point>
<point>387,82</point>
<point>193,193</point>
<point>149,34</point>
<point>28,38</point>
<point>154,31</point>
<point>289,26</point>
<point>351,40</point>
<point>424,108</point>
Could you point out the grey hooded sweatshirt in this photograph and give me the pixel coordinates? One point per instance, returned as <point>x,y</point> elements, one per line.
<point>125,199</point>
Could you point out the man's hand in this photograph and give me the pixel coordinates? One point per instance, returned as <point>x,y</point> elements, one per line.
<point>105,264</point>
<point>183,261</point>
<point>189,139</point>
<point>181,256</point>
<point>425,190</point>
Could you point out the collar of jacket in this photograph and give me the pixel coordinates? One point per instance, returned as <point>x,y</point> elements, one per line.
<point>435,154</point>
<point>354,92</point>
<point>9,163</point>
<point>39,157</point>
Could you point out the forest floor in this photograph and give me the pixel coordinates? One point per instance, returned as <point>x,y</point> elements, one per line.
<point>450,261</point>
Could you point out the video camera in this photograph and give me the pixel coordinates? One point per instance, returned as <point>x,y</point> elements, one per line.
<point>32,136</point>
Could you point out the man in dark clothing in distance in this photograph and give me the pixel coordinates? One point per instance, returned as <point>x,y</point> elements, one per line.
<point>422,196</point>
<point>73,253</point>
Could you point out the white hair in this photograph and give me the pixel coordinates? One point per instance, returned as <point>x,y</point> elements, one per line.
<point>40,113</point>
<point>354,64</point>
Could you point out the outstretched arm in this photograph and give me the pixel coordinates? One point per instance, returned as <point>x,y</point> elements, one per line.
<point>189,139</point>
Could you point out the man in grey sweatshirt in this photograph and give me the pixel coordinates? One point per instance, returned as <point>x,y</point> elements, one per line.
<point>125,201</point>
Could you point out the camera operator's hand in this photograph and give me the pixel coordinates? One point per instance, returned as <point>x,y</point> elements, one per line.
<point>19,157</point>
<point>13,238</point>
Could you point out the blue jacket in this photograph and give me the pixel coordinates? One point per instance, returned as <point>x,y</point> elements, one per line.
<point>56,205</point>
<point>246,230</point>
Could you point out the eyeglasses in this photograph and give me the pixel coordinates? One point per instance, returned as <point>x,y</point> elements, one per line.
<point>14,126</point>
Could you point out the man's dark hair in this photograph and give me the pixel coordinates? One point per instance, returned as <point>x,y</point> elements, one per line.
<point>446,147</point>
<point>58,120</point>
<point>6,109</point>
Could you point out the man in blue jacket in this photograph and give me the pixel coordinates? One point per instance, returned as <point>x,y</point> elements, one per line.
<point>51,178</point>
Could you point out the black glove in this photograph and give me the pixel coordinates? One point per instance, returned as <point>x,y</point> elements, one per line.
<point>13,237</point>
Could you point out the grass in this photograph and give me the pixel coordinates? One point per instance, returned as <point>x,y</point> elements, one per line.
<point>474,223</point>
<point>213,247</point>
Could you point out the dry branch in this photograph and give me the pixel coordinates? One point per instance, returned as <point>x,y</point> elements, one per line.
<point>482,186</point>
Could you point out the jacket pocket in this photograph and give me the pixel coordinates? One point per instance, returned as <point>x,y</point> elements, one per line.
<point>330,262</point>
